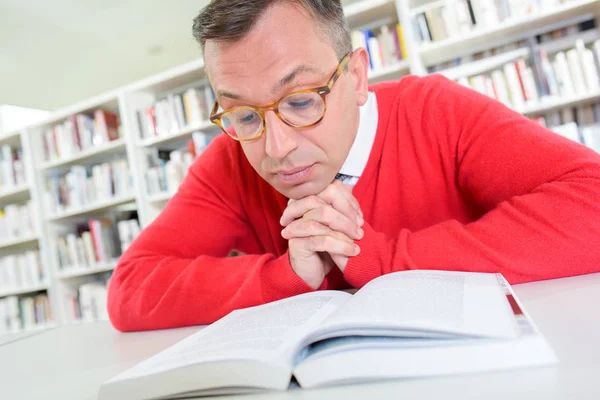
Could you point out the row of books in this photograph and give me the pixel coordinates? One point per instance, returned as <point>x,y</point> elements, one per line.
<point>570,73</point>
<point>95,242</point>
<point>18,221</point>
<point>12,168</point>
<point>452,18</point>
<point>386,46</point>
<point>564,75</point>
<point>177,111</point>
<point>580,124</point>
<point>88,302</point>
<point>167,169</point>
<point>573,31</point>
<point>21,271</point>
<point>79,133</point>
<point>514,84</point>
<point>19,313</point>
<point>88,185</point>
<point>570,30</point>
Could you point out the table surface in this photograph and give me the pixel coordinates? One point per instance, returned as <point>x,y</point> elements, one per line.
<point>71,362</point>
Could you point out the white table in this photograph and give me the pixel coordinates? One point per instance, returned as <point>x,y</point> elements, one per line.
<point>71,362</point>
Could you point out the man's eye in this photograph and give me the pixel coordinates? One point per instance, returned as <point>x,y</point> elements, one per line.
<point>247,119</point>
<point>301,104</point>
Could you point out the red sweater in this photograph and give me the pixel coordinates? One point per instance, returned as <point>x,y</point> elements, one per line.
<point>455,181</point>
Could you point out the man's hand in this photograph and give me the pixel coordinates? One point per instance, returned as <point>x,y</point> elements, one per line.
<point>321,231</point>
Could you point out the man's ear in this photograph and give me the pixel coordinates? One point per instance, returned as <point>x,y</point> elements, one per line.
<point>359,68</point>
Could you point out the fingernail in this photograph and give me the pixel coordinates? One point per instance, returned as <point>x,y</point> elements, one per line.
<point>283,233</point>
<point>360,213</point>
<point>356,250</point>
<point>360,220</point>
<point>360,233</point>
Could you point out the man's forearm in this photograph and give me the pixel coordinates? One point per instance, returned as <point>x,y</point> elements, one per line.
<point>157,292</point>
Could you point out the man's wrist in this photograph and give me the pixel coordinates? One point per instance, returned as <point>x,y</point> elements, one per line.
<point>280,280</point>
<point>366,266</point>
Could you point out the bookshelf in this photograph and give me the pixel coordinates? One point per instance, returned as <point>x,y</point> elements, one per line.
<point>175,134</point>
<point>19,242</point>
<point>509,30</point>
<point>81,272</point>
<point>24,290</point>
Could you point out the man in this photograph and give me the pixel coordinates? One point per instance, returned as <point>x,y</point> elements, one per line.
<point>439,177</point>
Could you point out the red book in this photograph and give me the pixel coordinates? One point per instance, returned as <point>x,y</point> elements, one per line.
<point>108,124</point>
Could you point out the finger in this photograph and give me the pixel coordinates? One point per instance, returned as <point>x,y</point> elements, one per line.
<point>347,191</point>
<point>302,228</point>
<point>336,221</point>
<point>329,244</point>
<point>337,196</point>
<point>339,261</point>
<point>296,209</point>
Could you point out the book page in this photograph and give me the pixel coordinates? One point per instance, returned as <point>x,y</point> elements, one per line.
<point>269,332</point>
<point>422,302</point>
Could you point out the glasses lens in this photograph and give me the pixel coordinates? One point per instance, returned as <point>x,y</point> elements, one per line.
<point>302,109</point>
<point>242,123</point>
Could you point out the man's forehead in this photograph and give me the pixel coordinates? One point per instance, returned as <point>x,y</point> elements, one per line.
<point>229,79</point>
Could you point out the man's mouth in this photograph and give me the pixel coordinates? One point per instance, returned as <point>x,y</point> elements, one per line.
<point>294,175</point>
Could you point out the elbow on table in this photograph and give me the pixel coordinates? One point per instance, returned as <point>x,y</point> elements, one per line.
<point>122,297</point>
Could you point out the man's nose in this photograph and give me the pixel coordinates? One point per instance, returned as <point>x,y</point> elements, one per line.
<point>281,139</point>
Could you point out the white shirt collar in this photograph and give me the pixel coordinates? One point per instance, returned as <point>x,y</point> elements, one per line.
<point>365,137</point>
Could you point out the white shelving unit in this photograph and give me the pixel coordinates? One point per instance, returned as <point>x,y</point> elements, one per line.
<point>112,147</point>
<point>505,32</point>
<point>55,224</point>
<point>81,272</point>
<point>24,290</point>
<point>20,241</point>
<point>20,194</point>
<point>127,100</point>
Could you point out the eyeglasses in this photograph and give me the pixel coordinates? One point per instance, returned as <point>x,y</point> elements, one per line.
<point>301,109</point>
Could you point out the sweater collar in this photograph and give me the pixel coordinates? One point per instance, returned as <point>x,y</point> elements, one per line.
<point>365,137</point>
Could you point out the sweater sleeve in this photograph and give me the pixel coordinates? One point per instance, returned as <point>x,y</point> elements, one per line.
<point>540,193</point>
<point>178,273</point>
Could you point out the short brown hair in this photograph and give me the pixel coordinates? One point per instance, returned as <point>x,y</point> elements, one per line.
<point>232,20</point>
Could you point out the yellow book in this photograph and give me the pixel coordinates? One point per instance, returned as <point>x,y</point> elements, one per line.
<point>402,42</point>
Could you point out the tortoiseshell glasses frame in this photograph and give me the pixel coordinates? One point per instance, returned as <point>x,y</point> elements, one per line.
<point>223,118</point>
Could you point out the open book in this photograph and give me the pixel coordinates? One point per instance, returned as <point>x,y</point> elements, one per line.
<point>405,324</point>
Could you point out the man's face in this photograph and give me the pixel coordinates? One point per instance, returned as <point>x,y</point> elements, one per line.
<point>284,53</point>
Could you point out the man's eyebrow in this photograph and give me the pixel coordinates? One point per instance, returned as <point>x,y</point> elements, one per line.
<point>292,75</point>
<point>225,93</point>
<point>278,86</point>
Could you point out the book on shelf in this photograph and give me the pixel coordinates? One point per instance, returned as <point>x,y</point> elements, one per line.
<point>129,230</point>
<point>386,45</point>
<point>402,325</point>
<point>176,112</point>
<point>95,242</point>
<point>87,302</point>
<point>21,271</point>
<point>78,133</point>
<point>580,124</point>
<point>83,185</point>
<point>12,168</point>
<point>18,221</point>
<point>447,19</point>
<point>26,312</point>
<point>166,169</point>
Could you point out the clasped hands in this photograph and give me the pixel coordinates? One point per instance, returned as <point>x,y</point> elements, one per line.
<point>321,230</point>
